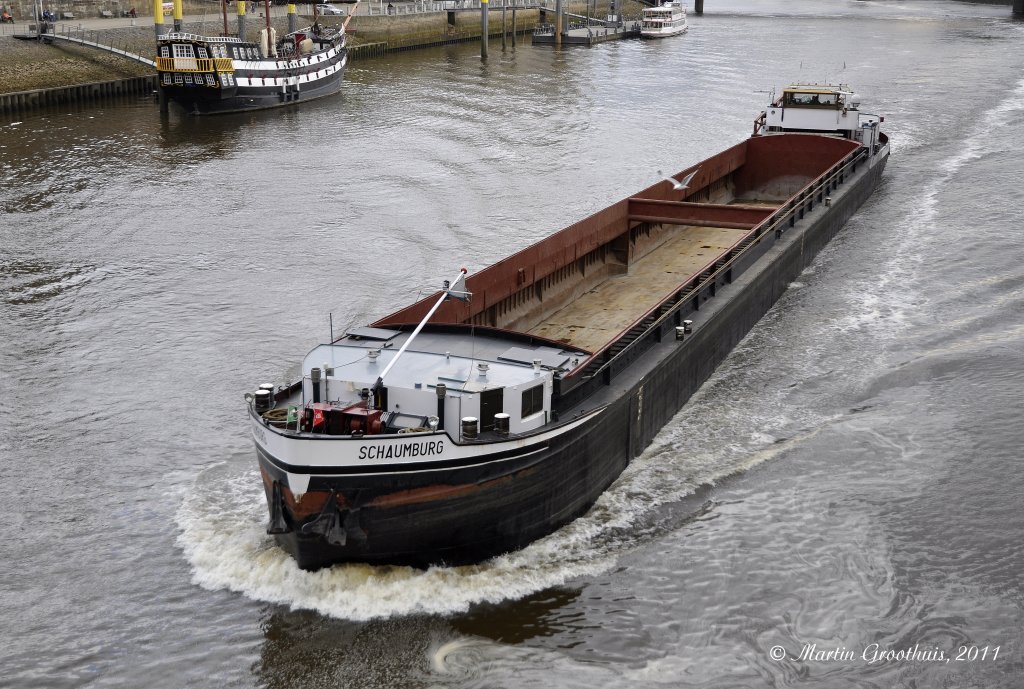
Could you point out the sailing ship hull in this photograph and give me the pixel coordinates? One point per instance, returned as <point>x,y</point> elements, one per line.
<point>208,75</point>
<point>473,501</point>
<point>255,95</point>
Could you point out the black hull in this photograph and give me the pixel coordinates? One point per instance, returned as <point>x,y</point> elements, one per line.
<point>203,101</point>
<point>467,514</point>
<point>461,515</point>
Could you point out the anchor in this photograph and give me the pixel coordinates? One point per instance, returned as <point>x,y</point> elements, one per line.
<point>333,526</point>
<point>278,524</point>
<point>352,527</point>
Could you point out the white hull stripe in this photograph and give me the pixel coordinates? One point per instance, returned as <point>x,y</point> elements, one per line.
<point>329,454</point>
<point>301,79</point>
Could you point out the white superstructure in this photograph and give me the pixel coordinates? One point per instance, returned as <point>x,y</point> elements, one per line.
<point>820,109</point>
<point>667,19</point>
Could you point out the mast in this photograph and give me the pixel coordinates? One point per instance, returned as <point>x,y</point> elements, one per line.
<point>224,11</point>
<point>455,289</point>
<point>266,4</point>
<point>351,13</point>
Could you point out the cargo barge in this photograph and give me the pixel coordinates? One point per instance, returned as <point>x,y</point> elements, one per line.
<point>486,416</point>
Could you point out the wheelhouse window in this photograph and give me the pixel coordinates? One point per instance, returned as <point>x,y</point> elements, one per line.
<point>533,401</point>
<point>810,99</point>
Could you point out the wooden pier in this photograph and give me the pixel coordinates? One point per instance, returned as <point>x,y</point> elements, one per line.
<point>595,32</point>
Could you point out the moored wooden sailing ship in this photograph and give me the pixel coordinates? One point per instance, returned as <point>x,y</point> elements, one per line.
<point>486,416</point>
<point>221,74</point>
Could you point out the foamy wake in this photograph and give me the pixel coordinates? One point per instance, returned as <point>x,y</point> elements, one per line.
<point>222,525</point>
<point>222,534</point>
<point>886,299</point>
<point>222,522</point>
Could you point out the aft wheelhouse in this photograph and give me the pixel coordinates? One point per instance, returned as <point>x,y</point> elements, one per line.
<point>825,109</point>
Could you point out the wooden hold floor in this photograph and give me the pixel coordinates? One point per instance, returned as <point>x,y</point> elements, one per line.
<point>599,315</point>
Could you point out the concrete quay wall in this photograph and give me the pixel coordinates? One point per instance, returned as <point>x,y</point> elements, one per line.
<point>72,73</point>
<point>405,32</point>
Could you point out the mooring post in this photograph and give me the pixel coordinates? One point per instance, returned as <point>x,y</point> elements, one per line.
<point>513,26</point>
<point>177,16</point>
<point>483,29</point>
<point>698,6</point>
<point>240,5</point>
<point>504,31</point>
<point>293,18</point>
<point>558,22</point>
<point>158,18</point>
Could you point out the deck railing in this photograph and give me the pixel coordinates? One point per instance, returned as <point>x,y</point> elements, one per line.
<point>654,325</point>
<point>194,64</point>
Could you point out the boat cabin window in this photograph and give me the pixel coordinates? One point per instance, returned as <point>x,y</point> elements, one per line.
<point>183,50</point>
<point>809,100</point>
<point>533,400</point>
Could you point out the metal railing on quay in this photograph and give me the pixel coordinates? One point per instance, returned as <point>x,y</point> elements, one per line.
<point>376,8</point>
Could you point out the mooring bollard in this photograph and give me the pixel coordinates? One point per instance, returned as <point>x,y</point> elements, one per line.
<point>483,29</point>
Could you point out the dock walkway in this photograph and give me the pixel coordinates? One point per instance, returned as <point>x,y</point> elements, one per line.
<point>598,32</point>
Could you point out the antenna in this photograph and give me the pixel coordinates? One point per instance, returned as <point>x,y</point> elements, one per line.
<point>453,289</point>
<point>770,92</point>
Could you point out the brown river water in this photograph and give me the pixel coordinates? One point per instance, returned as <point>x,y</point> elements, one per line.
<point>848,481</point>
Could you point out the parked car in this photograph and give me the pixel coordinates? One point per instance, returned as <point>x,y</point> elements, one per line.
<point>325,8</point>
